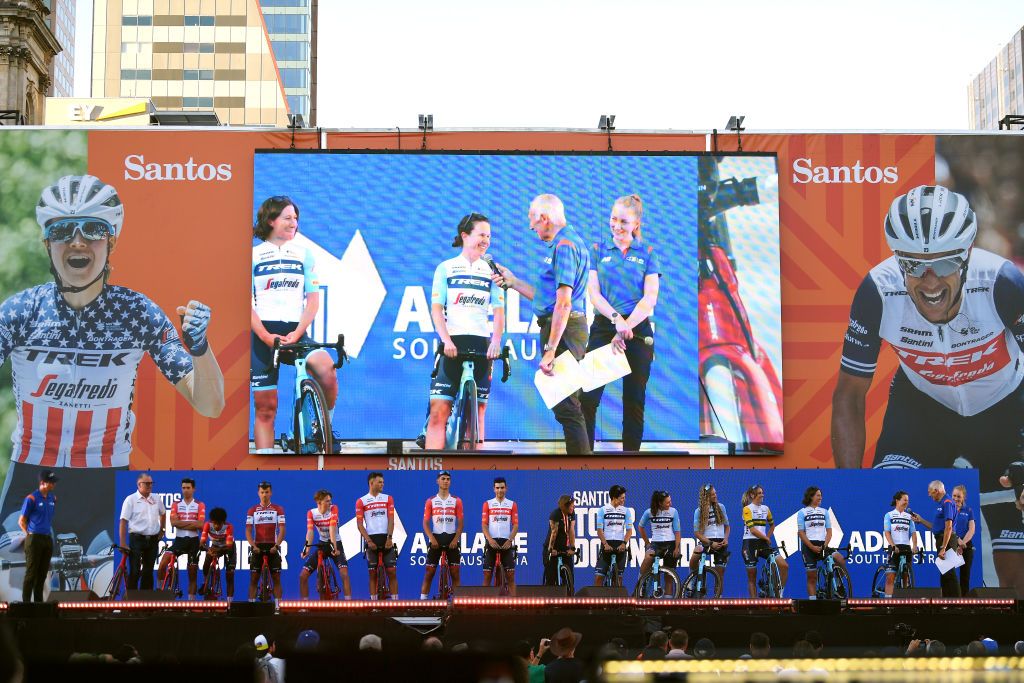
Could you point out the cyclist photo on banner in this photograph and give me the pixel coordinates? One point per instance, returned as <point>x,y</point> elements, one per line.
<point>814,528</point>
<point>758,526</point>
<point>711,529</point>
<point>75,346</point>
<point>285,301</point>
<point>623,288</point>
<point>462,300</point>
<point>954,315</point>
<point>900,537</point>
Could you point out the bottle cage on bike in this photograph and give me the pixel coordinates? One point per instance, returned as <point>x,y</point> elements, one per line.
<point>287,353</point>
<point>476,356</point>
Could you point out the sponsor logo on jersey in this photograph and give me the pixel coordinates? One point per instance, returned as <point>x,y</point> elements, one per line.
<point>282,283</point>
<point>278,266</point>
<point>636,259</point>
<point>915,342</point>
<point>920,333</point>
<point>463,281</point>
<point>85,359</point>
<point>168,335</point>
<point>855,326</point>
<point>470,299</point>
<point>955,369</point>
<point>137,168</point>
<point>977,290</point>
<point>805,171</point>
<point>74,390</point>
<point>899,293</point>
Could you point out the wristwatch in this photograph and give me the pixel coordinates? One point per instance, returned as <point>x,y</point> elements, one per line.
<point>615,314</point>
<point>548,347</point>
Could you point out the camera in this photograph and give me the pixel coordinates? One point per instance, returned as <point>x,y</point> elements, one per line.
<point>904,633</point>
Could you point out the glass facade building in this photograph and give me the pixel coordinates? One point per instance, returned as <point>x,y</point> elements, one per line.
<point>999,89</point>
<point>291,25</point>
<point>61,21</point>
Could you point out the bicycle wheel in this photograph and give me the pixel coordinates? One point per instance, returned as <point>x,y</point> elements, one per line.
<point>841,584</point>
<point>312,433</point>
<point>878,583</point>
<point>671,586</point>
<point>690,588</point>
<point>265,591</point>
<point>822,589</point>
<point>774,580</point>
<point>118,585</point>
<point>567,580</point>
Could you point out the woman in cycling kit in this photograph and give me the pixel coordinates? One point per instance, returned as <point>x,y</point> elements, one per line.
<point>758,526</point>
<point>814,527</point>
<point>623,286</point>
<point>461,299</point>
<point>665,531</point>
<point>711,529</point>
<point>561,538</point>
<point>285,300</point>
<point>900,535</point>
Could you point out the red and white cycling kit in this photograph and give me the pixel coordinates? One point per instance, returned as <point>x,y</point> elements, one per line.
<point>187,512</point>
<point>444,514</point>
<point>74,372</point>
<point>264,520</point>
<point>218,538</point>
<point>374,511</point>
<point>322,522</point>
<point>499,516</point>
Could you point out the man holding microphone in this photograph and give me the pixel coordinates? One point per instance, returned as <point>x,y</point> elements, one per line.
<point>945,540</point>
<point>560,304</point>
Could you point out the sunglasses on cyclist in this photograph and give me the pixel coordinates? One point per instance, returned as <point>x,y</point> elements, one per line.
<point>92,229</point>
<point>707,487</point>
<point>940,266</point>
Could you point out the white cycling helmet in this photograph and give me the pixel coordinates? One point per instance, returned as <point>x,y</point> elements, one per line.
<point>930,219</point>
<point>78,196</point>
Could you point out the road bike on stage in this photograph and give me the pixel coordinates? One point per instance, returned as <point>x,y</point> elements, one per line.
<point>833,579</point>
<point>904,574</point>
<point>705,582</point>
<point>118,586</point>
<point>659,582</point>
<point>769,579</point>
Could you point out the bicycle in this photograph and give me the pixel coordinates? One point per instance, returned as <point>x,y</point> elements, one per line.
<point>613,579</point>
<point>383,584</point>
<point>463,426</point>
<point>265,584</point>
<point>170,582</point>
<point>659,582</point>
<point>769,580</point>
<point>118,586</point>
<point>564,573</point>
<point>498,573</point>
<point>211,578</point>
<point>444,578</point>
<point>833,579</point>
<point>696,584</point>
<point>311,420</point>
<point>327,584</point>
<point>904,574</point>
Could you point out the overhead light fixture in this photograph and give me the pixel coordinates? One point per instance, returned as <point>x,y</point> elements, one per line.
<point>426,126</point>
<point>735,123</point>
<point>607,124</point>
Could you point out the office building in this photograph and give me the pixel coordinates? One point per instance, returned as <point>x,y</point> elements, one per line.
<point>999,89</point>
<point>61,21</point>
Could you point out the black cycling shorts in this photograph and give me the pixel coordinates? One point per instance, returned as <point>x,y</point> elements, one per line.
<point>893,563</point>
<point>753,549</point>
<point>256,557</point>
<point>186,545</point>
<point>390,556</point>
<point>311,559</point>
<point>445,386</point>
<point>508,557</point>
<point>811,559</point>
<point>262,373</point>
<point>721,555</point>
<point>604,560</point>
<point>434,554</point>
<point>665,550</point>
<point>230,559</point>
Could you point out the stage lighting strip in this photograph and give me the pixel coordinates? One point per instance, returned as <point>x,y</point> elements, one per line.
<point>357,605</point>
<point>895,666</point>
<point>932,602</point>
<point>128,605</point>
<point>622,602</point>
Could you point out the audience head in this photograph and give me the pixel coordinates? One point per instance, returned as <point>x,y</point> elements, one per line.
<point>803,650</point>
<point>679,639</point>
<point>371,642</point>
<point>659,639</point>
<point>936,648</point>
<point>307,641</point>
<point>975,648</point>
<point>760,645</point>
<point>565,641</point>
<point>432,644</point>
<point>816,641</point>
<point>704,649</point>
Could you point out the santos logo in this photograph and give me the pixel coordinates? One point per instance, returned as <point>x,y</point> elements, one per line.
<point>804,171</point>
<point>136,168</point>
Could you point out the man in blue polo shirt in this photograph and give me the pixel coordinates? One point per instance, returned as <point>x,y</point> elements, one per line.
<point>36,521</point>
<point>945,539</point>
<point>560,304</point>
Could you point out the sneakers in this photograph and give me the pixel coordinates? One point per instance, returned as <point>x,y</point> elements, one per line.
<point>421,440</point>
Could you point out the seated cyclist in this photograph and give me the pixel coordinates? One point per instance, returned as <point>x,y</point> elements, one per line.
<point>560,540</point>
<point>500,524</point>
<point>614,528</point>
<point>900,535</point>
<point>442,525</point>
<point>666,532</point>
<point>814,527</point>
<point>711,529</point>
<point>264,529</point>
<point>218,540</point>
<point>758,526</point>
<point>322,529</point>
<point>187,517</point>
<point>461,299</point>
<point>375,520</point>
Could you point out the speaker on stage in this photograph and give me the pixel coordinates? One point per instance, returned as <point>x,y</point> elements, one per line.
<point>602,592</point>
<point>540,591</point>
<point>818,607</point>
<point>148,596</point>
<point>916,592</point>
<point>32,610</point>
<point>250,609</point>
<point>72,596</point>
<point>477,592</point>
<point>993,593</point>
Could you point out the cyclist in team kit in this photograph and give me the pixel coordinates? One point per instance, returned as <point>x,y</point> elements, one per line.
<point>560,540</point>
<point>188,516</point>
<point>375,520</point>
<point>758,526</point>
<point>666,533</point>
<point>442,524</point>
<point>322,527</point>
<point>954,315</point>
<point>285,301</point>
<point>461,299</point>
<point>711,529</point>
<point>264,530</point>
<point>500,524</point>
<point>814,528</point>
<point>614,528</point>
<point>218,540</point>
<point>900,535</point>
<point>75,346</point>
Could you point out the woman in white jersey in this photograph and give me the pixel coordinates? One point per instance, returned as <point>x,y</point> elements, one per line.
<point>814,527</point>
<point>758,526</point>
<point>461,299</point>
<point>666,532</point>
<point>900,535</point>
<point>711,529</point>
<point>285,300</point>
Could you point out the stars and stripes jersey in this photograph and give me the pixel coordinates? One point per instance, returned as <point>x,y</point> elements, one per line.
<point>74,372</point>
<point>281,278</point>
<point>322,522</point>
<point>814,522</point>
<point>756,516</point>
<point>218,538</point>
<point>968,364</point>
<point>614,521</point>
<point>444,514</point>
<point>374,511</point>
<point>264,520</point>
<point>499,517</point>
<point>466,292</point>
<point>187,512</point>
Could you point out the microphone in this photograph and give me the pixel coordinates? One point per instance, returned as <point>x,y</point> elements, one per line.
<point>489,260</point>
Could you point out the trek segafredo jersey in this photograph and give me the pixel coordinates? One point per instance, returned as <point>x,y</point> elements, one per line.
<point>74,372</point>
<point>967,364</point>
<point>281,278</point>
<point>467,294</point>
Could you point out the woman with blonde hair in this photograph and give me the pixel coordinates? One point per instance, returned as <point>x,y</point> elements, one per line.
<point>711,529</point>
<point>963,527</point>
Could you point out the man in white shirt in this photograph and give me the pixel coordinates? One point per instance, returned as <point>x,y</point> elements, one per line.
<point>142,521</point>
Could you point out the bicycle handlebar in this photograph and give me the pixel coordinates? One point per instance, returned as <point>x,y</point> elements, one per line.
<point>303,348</point>
<point>475,356</point>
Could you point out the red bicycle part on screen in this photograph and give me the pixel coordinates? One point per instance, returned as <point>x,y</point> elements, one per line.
<point>742,390</point>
